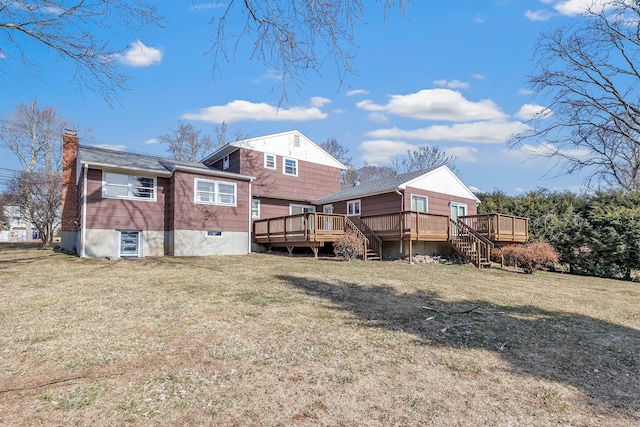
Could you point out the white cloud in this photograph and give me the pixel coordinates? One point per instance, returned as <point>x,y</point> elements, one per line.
<point>204,6</point>
<point>525,92</point>
<point>357,92</point>
<point>378,118</point>
<point>436,104</point>
<point>538,15</point>
<point>152,141</point>
<point>383,151</point>
<point>318,101</point>
<point>577,7</point>
<point>140,55</point>
<point>451,84</point>
<point>487,132</point>
<point>463,154</point>
<point>2,55</point>
<point>119,147</point>
<point>531,111</point>
<point>479,76</point>
<point>241,110</point>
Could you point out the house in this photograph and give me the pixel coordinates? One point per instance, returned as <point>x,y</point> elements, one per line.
<point>19,227</point>
<point>276,190</point>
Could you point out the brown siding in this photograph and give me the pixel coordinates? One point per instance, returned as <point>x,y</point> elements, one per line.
<point>191,216</point>
<point>313,182</point>
<point>438,202</point>
<point>106,213</point>
<point>270,208</point>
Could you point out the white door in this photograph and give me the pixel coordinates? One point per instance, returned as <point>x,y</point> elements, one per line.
<point>457,210</point>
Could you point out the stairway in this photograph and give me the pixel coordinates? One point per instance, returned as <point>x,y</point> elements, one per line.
<point>373,242</point>
<point>467,242</point>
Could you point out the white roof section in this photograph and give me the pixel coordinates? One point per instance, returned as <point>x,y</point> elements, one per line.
<point>292,144</point>
<point>441,180</point>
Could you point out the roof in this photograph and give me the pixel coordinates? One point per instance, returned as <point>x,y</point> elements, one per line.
<point>117,159</point>
<point>370,188</point>
<point>438,179</point>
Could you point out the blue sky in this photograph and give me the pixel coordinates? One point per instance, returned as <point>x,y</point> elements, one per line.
<point>450,74</point>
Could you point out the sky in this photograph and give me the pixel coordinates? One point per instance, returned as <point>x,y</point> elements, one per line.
<point>449,74</point>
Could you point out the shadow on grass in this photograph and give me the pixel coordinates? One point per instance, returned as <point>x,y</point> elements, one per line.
<point>599,358</point>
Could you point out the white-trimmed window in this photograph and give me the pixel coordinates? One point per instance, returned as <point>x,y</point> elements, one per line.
<point>255,208</point>
<point>210,192</point>
<point>214,233</point>
<point>353,207</point>
<point>269,161</point>
<point>225,162</point>
<point>122,186</point>
<point>290,167</point>
<point>419,203</point>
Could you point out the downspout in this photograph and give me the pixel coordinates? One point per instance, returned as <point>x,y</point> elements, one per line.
<point>401,210</point>
<point>83,239</point>
<point>250,234</point>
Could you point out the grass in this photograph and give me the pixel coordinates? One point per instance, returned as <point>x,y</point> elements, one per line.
<point>275,340</point>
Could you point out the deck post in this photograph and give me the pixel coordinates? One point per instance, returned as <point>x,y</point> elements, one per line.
<point>410,251</point>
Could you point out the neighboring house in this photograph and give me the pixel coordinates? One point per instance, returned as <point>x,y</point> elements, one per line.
<point>277,190</point>
<point>20,229</point>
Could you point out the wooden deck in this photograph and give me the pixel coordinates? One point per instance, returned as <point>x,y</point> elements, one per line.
<point>312,229</point>
<point>500,229</point>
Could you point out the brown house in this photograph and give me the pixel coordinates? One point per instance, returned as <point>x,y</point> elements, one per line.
<point>276,190</point>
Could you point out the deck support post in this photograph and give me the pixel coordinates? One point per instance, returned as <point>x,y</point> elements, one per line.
<point>290,249</point>
<point>410,251</point>
<point>315,251</point>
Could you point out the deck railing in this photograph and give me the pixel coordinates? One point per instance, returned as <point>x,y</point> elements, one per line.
<point>309,226</point>
<point>409,225</point>
<point>499,228</point>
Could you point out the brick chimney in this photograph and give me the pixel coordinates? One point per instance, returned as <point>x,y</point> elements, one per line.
<point>69,187</point>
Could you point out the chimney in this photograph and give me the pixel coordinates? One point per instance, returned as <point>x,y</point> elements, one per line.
<point>69,185</point>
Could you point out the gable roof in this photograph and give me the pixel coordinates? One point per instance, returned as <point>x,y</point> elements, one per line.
<point>400,182</point>
<point>101,158</point>
<point>280,144</point>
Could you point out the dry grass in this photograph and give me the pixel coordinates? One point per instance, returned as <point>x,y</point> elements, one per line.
<point>272,340</point>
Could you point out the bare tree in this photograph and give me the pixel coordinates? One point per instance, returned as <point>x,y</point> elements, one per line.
<point>39,195</point>
<point>33,134</point>
<point>425,157</point>
<point>75,31</point>
<point>221,135</point>
<point>186,142</point>
<point>369,172</point>
<point>340,153</point>
<point>293,37</point>
<point>589,73</point>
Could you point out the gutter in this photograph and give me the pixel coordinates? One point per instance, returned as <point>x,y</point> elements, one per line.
<point>83,239</point>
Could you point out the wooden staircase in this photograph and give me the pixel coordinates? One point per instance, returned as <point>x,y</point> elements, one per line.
<point>470,244</point>
<point>373,243</point>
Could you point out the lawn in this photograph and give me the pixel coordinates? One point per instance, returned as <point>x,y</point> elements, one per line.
<point>273,340</point>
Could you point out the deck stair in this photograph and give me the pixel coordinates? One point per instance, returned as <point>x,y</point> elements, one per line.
<point>373,250</point>
<point>469,243</point>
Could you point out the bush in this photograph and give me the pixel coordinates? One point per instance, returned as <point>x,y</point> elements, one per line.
<point>531,256</point>
<point>349,246</point>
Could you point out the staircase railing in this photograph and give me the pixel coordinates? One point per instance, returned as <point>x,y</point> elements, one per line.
<point>467,241</point>
<point>375,242</point>
<point>350,226</point>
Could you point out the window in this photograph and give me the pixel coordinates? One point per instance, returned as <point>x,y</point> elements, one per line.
<point>215,192</point>
<point>214,233</point>
<point>419,203</point>
<point>269,161</point>
<point>328,209</point>
<point>121,186</point>
<point>225,162</point>
<point>290,167</point>
<point>353,207</point>
<point>255,208</point>
<point>296,140</point>
<point>129,243</point>
<point>298,209</point>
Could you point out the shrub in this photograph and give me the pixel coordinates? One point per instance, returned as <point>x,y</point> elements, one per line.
<point>531,256</point>
<point>349,246</point>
